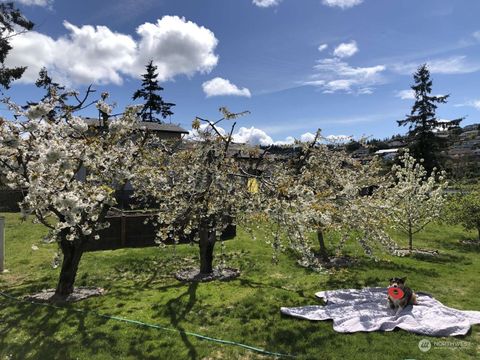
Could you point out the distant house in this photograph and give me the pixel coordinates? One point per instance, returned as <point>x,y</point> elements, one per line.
<point>362,154</point>
<point>388,154</point>
<point>164,131</point>
<point>396,143</point>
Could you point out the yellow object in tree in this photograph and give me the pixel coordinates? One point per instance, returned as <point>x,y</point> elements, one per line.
<point>252,185</point>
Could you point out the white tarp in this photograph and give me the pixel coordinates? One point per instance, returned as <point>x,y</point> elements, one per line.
<point>355,310</point>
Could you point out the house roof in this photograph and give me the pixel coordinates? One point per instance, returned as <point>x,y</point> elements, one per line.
<point>386,151</point>
<point>154,126</point>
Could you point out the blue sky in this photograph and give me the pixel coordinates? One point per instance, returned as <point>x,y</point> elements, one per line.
<point>340,65</point>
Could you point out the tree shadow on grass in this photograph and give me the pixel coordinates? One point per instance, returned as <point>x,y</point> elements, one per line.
<point>355,279</point>
<point>39,327</point>
<point>391,266</point>
<point>441,258</point>
<point>462,243</point>
<point>296,336</point>
<point>178,310</point>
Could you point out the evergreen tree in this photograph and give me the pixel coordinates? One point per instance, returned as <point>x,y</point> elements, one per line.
<point>154,103</point>
<point>53,90</point>
<point>10,18</point>
<point>422,121</point>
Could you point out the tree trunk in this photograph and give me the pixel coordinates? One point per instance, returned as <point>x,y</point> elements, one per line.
<point>206,243</point>
<point>478,233</point>
<point>410,240</point>
<point>323,248</point>
<point>72,253</point>
<point>410,235</point>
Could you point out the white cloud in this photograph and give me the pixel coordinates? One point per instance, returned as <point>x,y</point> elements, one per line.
<point>335,75</point>
<point>177,47</point>
<point>472,103</point>
<point>252,136</point>
<point>307,137</point>
<point>475,104</point>
<point>97,54</point>
<point>34,2</point>
<point>266,3</point>
<point>322,47</point>
<point>338,85</point>
<point>405,94</point>
<point>458,64</point>
<point>344,4</point>
<point>346,50</point>
<point>365,91</point>
<point>222,87</point>
<point>289,140</point>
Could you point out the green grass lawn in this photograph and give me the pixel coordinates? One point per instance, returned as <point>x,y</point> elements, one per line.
<point>140,287</point>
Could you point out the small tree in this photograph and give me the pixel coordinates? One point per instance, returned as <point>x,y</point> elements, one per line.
<point>414,200</point>
<point>423,123</point>
<point>464,209</point>
<point>10,19</point>
<point>154,104</point>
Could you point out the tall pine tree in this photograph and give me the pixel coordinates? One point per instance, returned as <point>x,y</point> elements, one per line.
<point>423,123</point>
<point>52,89</point>
<point>154,104</point>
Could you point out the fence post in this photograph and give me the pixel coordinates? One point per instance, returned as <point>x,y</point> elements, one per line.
<point>2,244</point>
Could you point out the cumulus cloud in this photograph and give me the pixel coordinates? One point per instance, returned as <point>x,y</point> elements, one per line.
<point>223,87</point>
<point>405,94</point>
<point>343,4</point>
<point>289,140</point>
<point>458,64</point>
<point>266,3</point>
<point>307,137</point>
<point>252,136</point>
<point>177,47</point>
<point>335,75</point>
<point>322,47</point>
<point>97,54</point>
<point>346,50</point>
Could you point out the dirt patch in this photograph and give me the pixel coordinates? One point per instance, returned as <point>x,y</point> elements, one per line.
<point>193,275</point>
<point>470,242</point>
<point>338,262</point>
<point>79,293</point>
